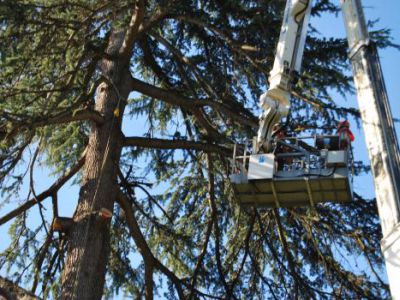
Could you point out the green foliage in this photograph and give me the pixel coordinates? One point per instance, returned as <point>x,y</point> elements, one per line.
<point>217,51</point>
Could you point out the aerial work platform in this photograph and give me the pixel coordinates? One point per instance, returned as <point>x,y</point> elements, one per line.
<point>295,174</point>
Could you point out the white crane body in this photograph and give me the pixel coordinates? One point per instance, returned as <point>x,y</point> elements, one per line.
<point>289,172</point>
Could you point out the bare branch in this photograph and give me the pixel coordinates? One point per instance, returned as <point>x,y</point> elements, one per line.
<point>10,290</point>
<point>128,186</point>
<point>173,144</point>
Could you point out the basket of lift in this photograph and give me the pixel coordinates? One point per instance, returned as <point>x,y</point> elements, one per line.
<point>299,172</point>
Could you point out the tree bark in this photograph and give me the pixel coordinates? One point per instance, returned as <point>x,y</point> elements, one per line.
<point>88,244</point>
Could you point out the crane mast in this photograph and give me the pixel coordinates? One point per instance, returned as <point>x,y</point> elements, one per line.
<point>257,182</point>
<point>380,135</point>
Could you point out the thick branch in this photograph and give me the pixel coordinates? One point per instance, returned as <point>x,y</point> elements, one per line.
<point>10,290</point>
<point>165,95</point>
<point>131,33</point>
<point>80,115</point>
<point>148,281</point>
<point>155,19</point>
<point>64,117</point>
<point>190,104</point>
<point>173,144</point>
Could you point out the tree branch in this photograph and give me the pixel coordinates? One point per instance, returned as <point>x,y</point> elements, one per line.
<point>79,115</point>
<point>148,280</point>
<point>174,144</point>
<point>190,104</point>
<point>131,33</point>
<point>321,105</point>
<point>214,213</point>
<point>167,96</point>
<point>40,258</point>
<point>64,117</point>
<point>151,62</point>
<point>246,253</point>
<point>47,193</point>
<point>239,49</point>
<point>201,256</point>
<point>141,243</point>
<point>246,117</point>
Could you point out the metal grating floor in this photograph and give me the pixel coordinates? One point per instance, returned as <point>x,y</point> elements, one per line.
<point>292,192</point>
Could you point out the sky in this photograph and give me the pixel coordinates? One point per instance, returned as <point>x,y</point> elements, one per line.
<point>387,11</point>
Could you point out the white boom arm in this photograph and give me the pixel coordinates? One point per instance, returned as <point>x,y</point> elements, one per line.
<point>289,54</point>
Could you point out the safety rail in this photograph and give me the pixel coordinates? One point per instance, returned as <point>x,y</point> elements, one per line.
<point>295,173</point>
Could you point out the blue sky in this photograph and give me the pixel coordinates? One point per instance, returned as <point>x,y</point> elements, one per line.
<point>386,10</point>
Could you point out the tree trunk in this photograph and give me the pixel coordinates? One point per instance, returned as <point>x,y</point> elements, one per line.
<point>88,243</point>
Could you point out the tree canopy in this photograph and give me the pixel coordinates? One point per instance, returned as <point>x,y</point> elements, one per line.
<point>139,103</point>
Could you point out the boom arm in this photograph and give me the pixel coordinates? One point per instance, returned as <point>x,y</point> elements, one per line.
<point>289,53</point>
